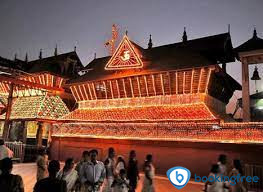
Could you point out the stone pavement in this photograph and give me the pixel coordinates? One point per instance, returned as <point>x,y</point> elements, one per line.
<point>28,173</point>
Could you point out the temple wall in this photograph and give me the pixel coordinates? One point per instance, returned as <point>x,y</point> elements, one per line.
<point>195,156</point>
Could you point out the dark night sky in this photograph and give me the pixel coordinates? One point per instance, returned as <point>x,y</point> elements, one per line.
<point>29,25</point>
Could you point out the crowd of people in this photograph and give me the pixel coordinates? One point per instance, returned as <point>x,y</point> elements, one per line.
<point>112,175</point>
<point>220,169</point>
<point>91,175</point>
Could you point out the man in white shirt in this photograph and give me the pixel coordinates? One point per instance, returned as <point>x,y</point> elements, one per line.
<point>93,173</point>
<point>5,152</point>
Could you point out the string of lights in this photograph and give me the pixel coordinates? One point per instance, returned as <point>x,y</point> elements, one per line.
<point>189,131</point>
<point>43,107</point>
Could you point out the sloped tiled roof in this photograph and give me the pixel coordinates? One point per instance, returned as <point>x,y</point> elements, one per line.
<point>60,65</point>
<point>12,64</point>
<point>254,43</point>
<point>196,111</point>
<point>38,107</point>
<point>193,53</point>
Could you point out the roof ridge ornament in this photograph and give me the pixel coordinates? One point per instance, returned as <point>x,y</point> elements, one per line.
<point>255,33</point>
<point>184,38</point>
<point>56,50</point>
<point>125,57</point>
<point>40,54</point>
<point>26,58</point>
<point>150,44</point>
<point>229,28</point>
<point>111,42</point>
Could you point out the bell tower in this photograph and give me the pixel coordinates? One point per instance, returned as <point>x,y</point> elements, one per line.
<point>249,53</point>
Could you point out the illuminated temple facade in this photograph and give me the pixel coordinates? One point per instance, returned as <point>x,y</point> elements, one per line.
<point>37,95</point>
<point>171,92</point>
<point>168,100</point>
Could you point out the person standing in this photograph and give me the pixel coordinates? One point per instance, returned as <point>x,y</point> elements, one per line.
<point>149,172</point>
<point>237,170</point>
<point>5,152</point>
<point>222,160</point>
<point>110,168</point>
<point>120,165</point>
<point>42,163</point>
<point>133,171</point>
<point>85,158</point>
<point>51,183</point>
<point>214,186</point>
<point>93,173</point>
<point>8,181</point>
<point>69,174</point>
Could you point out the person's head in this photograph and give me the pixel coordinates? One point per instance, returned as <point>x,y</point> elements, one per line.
<point>111,152</point>
<point>85,155</point>
<point>41,151</point>
<point>69,163</point>
<point>93,155</point>
<point>2,142</point>
<point>149,158</point>
<point>6,165</point>
<point>122,173</point>
<point>222,159</point>
<point>53,167</point>
<point>132,154</point>
<point>120,159</point>
<point>215,169</point>
<point>237,165</point>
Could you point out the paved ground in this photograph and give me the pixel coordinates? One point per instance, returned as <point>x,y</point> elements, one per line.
<point>28,172</point>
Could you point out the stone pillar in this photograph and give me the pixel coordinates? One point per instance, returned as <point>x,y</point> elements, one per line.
<point>39,134</point>
<point>245,91</point>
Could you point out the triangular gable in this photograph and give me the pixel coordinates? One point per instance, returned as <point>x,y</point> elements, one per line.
<point>125,57</point>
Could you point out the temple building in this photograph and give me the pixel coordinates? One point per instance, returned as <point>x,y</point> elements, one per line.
<point>142,88</point>
<point>168,100</point>
<point>38,97</point>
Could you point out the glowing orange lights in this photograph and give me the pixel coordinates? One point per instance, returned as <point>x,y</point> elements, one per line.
<point>125,57</point>
<point>196,111</point>
<point>41,107</point>
<point>179,82</point>
<point>44,79</point>
<point>160,100</point>
<point>179,131</point>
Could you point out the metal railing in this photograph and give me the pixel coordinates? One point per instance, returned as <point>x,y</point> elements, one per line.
<point>18,149</point>
<point>254,170</point>
<point>23,152</point>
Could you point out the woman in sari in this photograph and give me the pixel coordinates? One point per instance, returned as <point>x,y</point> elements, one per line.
<point>69,174</point>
